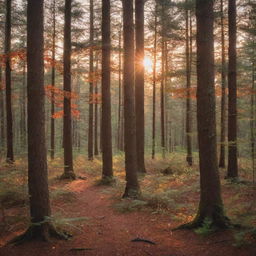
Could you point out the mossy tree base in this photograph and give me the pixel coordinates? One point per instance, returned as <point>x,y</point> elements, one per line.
<point>133,193</point>
<point>43,232</point>
<point>106,181</point>
<point>216,222</point>
<point>68,176</point>
<point>189,160</point>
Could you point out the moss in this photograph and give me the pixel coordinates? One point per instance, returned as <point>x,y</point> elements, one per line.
<point>68,176</point>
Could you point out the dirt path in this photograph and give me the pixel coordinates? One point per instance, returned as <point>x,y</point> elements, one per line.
<point>109,233</point>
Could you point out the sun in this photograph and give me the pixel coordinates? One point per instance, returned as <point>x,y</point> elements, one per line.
<point>148,65</point>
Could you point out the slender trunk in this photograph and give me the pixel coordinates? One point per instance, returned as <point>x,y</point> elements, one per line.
<point>132,186</point>
<point>23,114</point>
<point>154,88</point>
<point>253,122</point>
<point>2,123</point>
<point>119,125</point>
<point>53,83</point>
<point>165,95</point>
<point>232,171</point>
<point>91,82</point>
<point>189,158</point>
<point>67,126</point>
<point>8,97</point>
<point>162,92</point>
<point>106,129</point>
<point>139,84</point>
<point>223,92</point>
<point>96,149</point>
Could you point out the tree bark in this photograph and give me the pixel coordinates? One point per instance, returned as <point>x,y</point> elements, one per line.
<point>2,122</point>
<point>132,186</point>
<point>210,206</point>
<point>223,92</point>
<point>154,88</point>
<point>53,82</point>
<point>96,149</point>
<point>253,121</point>
<point>232,171</point>
<point>67,125</point>
<point>106,129</point>
<point>162,90</point>
<point>120,101</point>
<point>189,157</point>
<point>139,84</point>
<point>40,212</point>
<point>8,96</point>
<point>91,78</point>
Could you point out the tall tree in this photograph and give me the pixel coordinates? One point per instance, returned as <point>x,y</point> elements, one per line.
<point>8,97</point>
<point>232,171</point>
<point>139,84</point>
<point>223,91</point>
<point>91,81</point>
<point>40,212</point>
<point>53,79</point>
<point>96,110</point>
<point>106,133</point>
<point>210,206</point>
<point>120,102</point>
<point>132,186</point>
<point>2,123</point>
<point>188,87</point>
<point>163,70</point>
<point>67,119</point>
<point>154,86</point>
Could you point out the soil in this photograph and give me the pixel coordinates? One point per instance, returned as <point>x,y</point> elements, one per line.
<point>110,233</point>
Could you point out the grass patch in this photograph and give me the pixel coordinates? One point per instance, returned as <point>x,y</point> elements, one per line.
<point>128,205</point>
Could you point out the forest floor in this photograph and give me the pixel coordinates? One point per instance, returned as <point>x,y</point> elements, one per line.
<point>103,224</point>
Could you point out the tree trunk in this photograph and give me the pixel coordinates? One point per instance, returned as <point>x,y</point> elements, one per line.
<point>232,171</point>
<point>162,90</point>
<point>139,84</point>
<point>210,207</point>
<point>2,123</point>
<point>223,92</point>
<point>40,211</point>
<point>8,97</point>
<point>53,82</point>
<point>23,108</point>
<point>253,122</point>
<point>106,129</point>
<point>132,186</point>
<point>154,88</point>
<point>120,94</point>
<point>67,128</point>
<point>188,96</point>
<point>96,149</point>
<point>91,78</point>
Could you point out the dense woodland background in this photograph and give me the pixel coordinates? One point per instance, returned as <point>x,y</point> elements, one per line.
<point>131,84</point>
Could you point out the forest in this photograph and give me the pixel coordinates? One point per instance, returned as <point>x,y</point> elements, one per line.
<point>128,127</point>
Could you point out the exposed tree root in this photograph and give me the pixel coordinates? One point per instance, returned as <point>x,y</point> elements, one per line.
<point>43,232</point>
<point>218,222</point>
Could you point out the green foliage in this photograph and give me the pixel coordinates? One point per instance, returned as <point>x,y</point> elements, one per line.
<point>106,181</point>
<point>206,228</point>
<point>245,237</point>
<point>128,205</point>
<point>63,194</point>
<point>70,224</point>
